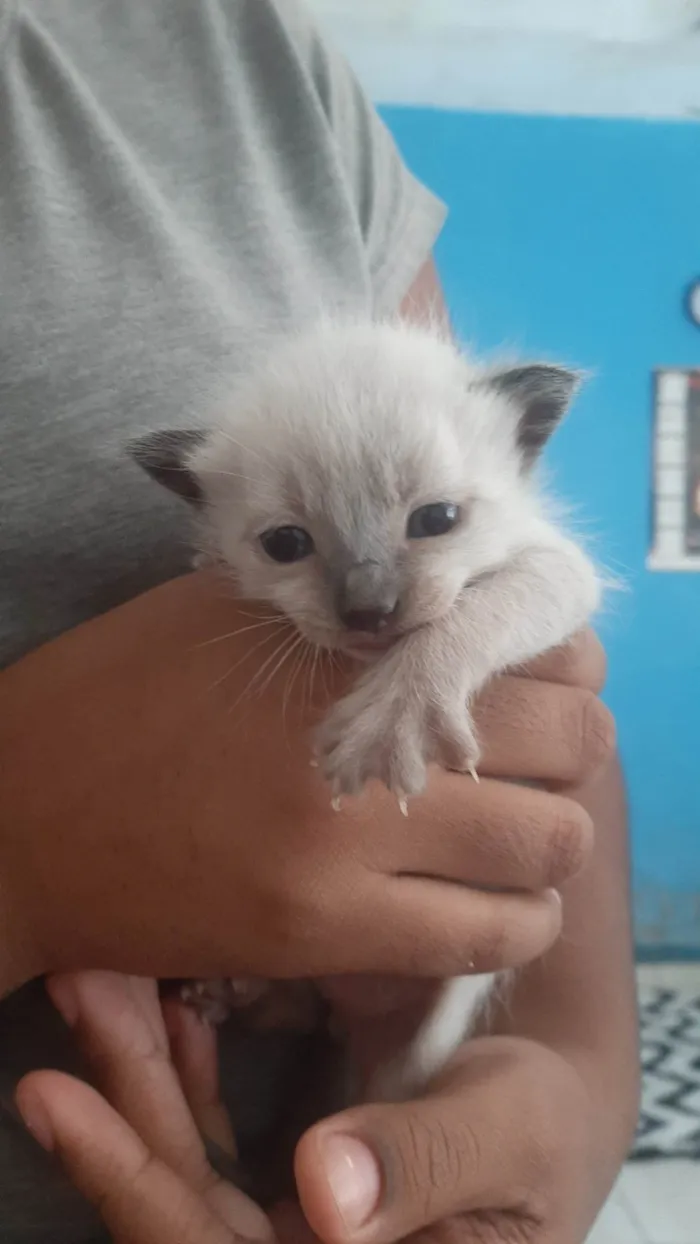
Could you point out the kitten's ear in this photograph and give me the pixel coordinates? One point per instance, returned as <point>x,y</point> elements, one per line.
<point>165,456</point>
<point>541,394</point>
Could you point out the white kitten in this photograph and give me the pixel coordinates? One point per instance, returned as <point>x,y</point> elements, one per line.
<point>377,488</point>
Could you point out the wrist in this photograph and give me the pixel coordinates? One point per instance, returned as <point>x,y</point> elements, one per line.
<point>579,1000</point>
<point>603,1056</point>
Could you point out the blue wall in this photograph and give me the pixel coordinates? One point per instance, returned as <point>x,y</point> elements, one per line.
<point>576,238</point>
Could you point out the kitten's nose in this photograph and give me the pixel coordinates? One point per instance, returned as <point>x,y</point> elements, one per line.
<point>367,597</point>
<point>370,621</point>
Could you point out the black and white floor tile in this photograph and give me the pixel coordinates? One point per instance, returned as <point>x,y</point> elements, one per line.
<point>657,1198</point>
<point>670,1030</point>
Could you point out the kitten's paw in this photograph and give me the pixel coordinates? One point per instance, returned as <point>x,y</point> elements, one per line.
<point>214,1000</point>
<point>359,742</point>
<point>386,731</point>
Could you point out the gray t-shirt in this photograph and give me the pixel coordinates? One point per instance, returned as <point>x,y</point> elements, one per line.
<point>178,179</point>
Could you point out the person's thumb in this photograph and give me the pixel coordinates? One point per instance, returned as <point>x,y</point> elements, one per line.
<point>379,1173</point>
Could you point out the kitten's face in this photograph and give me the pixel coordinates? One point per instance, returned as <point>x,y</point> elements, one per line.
<point>367,485</point>
<point>365,477</point>
<point>352,561</point>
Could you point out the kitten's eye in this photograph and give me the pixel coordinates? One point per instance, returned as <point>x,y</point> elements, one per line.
<point>287,544</point>
<point>433,520</point>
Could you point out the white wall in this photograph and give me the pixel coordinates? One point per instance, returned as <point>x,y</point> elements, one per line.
<point>578,57</point>
<point>624,20</point>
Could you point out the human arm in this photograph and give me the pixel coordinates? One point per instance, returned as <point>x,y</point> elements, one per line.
<point>580,998</point>
<point>158,818</point>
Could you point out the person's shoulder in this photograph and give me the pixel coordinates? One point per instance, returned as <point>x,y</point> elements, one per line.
<point>274,27</point>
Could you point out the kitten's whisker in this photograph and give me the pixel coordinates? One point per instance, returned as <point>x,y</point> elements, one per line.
<point>308,660</point>
<point>335,659</point>
<point>317,662</point>
<point>310,664</point>
<point>271,613</point>
<point>307,686</point>
<point>242,659</point>
<point>288,645</point>
<point>239,445</point>
<point>300,650</point>
<point>260,690</point>
<point>301,658</point>
<point>185,470</point>
<point>242,630</point>
<point>322,665</point>
<point>229,474</point>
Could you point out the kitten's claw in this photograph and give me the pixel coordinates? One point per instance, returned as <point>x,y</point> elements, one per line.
<point>473,773</point>
<point>403,805</point>
<point>336,803</point>
<point>313,763</point>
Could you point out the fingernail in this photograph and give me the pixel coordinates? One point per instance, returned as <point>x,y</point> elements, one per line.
<point>354,1177</point>
<point>36,1120</point>
<point>65,998</point>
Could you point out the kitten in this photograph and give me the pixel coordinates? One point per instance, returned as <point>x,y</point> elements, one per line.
<point>377,488</point>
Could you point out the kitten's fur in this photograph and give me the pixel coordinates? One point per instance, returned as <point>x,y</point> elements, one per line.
<point>345,432</point>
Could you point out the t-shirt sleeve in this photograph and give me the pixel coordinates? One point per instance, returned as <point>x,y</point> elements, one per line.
<point>398,217</point>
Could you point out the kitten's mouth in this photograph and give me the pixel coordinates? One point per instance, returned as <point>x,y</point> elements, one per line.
<point>368,645</point>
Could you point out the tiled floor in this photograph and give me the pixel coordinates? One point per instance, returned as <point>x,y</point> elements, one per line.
<point>655,1202</point>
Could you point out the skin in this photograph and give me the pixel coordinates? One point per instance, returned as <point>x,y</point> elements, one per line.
<point>184,847</point>
<point>508,1144</point>
<point>550,1100</point>
<point>522,1137</point>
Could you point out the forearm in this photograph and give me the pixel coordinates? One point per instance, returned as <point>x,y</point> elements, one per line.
<point>580,999</point>
<point>18,961</point>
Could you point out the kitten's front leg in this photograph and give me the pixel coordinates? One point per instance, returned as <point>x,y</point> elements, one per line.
<point>412,707</point>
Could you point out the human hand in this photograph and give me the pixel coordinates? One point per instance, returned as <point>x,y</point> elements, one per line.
<point>150,828</point>
<point>137,1152</point>
<point>502,1149</point>
<point>543,725</point>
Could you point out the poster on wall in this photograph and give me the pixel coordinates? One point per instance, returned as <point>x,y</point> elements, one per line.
<point>693,501</point>
<point>676,476</point>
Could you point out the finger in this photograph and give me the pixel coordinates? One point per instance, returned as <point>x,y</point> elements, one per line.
<point>140,1199</point>
<point>493,835</point>
<point>194,1051</point>
<point>579,663</point>
<point>119,1025</point>
<point>435,929</point>
<point>477,932</point>
<point>541,732</point>
<point>481,1142</point>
